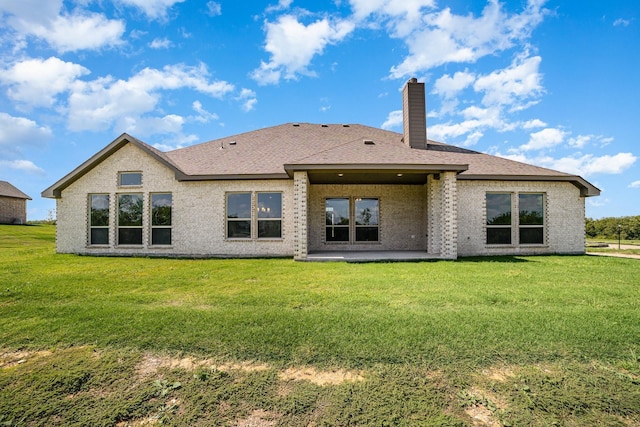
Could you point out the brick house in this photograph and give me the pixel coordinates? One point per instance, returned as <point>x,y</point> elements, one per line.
<point>299,190</point>
<point>13,204</point>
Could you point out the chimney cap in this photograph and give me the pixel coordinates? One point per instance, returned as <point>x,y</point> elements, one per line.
<point>413,80</point>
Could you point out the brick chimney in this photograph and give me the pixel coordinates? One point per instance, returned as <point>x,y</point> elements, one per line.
<point>414,114</point>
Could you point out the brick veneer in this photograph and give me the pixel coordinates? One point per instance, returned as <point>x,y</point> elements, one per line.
<point>446,216</point>
<point>13,210</point>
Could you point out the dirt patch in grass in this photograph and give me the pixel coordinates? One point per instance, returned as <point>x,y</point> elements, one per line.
<point>320,378</point>
<point>13,358</point>
<point>258,418</point>
<point>150,364</point>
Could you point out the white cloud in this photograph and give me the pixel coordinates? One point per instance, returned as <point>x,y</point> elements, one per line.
<point>16,132</point>
<point>152,8</point>
<point>403,15</point>
<point>444,37</point>
<point>476,120</point>
<point>160,43</point>
<point>622,22</point>
<point>293,45</point>
<point>203,115</point>
<point>37,82</point>
<point>98,104</point>
<point>21,165</point>
<point>63,31</point>
<point>214,8</point>
<point>248,99</point>
<point>282,5</point>
<point>584,165</point>
<point>512,85</point>
<point>448,87</point>
<point>145,126</point>
<point>532,124</point>
<point>546,138</point>
<point>394,120</point>
<point>635,184</point>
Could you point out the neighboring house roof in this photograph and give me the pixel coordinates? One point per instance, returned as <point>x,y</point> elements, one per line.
<point>368,154</point>
<point>8,190</point>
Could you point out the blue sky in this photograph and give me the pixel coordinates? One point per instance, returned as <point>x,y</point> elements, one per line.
<point>554,83</point>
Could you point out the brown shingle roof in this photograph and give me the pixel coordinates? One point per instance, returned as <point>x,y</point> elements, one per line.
<point>267,151</point>
<point>8,190</point>
<point>275,152</point>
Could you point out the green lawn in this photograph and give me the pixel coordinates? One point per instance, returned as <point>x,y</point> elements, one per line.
<point>510,340</point>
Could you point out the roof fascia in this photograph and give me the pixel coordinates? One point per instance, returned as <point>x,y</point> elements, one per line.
<point>55,190</point>
<point>586,189</point>
<point>376,167</point>
<point>231,177</point>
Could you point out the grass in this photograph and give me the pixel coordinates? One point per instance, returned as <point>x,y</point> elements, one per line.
<point>510,340</point>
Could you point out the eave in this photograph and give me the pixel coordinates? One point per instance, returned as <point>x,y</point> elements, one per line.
<point>586,188</point>
<point>55,191</point>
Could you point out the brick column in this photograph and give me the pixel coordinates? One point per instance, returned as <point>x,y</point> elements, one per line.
<point>300,206</point>
<point>449,223</point>
<point>434,215</point>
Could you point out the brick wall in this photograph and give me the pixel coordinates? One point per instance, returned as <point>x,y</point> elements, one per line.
<point>564,218</point>
<point>402,216</point>
<point>198,213</point>
<point>12,210</point>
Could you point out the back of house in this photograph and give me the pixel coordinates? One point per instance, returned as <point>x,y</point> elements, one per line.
<point>299,189</point>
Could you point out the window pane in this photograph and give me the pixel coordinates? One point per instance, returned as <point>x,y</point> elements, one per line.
<point>99,210</point>
<point>130,236</point>
<point>529,236</point>
<point>161,209</point>
<point>160,236</point>
<point>269,229</point>
<point>499,236</point>
<point>531,210</point>
<point>269,205</point>
<point>367,212</point>
<point>337,212</point>
<point>239,229</point>
<point>99,236</point>
<point>130,178</point>
<point>337,234</point>
<point>498,209</point>
<point>130,210</point>
<point>239,205</point>
<point>366,234</point>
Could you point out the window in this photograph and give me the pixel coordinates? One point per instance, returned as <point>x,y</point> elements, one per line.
<point>501,223</point>
<point>99,219</point>
<point>239,215</point>
<point>365,220</point>
<point>531,219</point>
<point>367,223</point>
<point>498,219</point>
<point>337,219</point>
<point>130,179</point>
<point>161,219</point>
<point>130,219</point>
<point>269,215</point>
